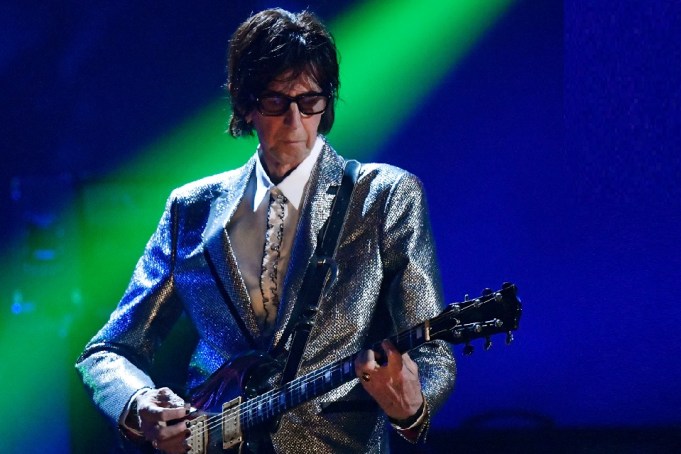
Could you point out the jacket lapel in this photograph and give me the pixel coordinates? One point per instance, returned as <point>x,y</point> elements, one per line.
<point>324,180</point>
<point>220,254</point>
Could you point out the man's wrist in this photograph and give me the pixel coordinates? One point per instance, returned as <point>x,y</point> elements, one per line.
<point>413,420</point>
<point>417,431</point>
<point>130,420</point>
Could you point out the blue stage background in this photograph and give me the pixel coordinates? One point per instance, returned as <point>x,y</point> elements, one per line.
<point>549,154</point>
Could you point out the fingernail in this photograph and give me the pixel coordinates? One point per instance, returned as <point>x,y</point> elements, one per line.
<point>187,433</point>
<point>187,423</point>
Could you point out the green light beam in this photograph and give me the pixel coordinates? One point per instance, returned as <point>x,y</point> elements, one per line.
<point>392,55</point>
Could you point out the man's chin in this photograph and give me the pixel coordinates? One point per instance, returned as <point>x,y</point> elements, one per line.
<point>293,148</point>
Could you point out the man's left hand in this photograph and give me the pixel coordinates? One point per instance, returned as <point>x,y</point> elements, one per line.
<point>394,385</point>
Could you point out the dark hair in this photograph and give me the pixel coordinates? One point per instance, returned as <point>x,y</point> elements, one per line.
<point>271,43</point>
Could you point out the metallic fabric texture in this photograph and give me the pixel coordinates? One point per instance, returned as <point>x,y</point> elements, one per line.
<point>388,280</point>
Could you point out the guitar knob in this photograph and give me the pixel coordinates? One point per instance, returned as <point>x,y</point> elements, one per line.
<point>488,343</point>
<point>468,349</point>
<point>509,338</point>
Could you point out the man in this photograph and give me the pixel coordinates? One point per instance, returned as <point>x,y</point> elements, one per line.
<point>231,252</point>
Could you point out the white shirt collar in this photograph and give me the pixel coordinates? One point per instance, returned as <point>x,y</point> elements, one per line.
<point>293,185</point>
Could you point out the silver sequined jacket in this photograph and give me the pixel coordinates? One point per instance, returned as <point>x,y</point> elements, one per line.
<point>388,280</point>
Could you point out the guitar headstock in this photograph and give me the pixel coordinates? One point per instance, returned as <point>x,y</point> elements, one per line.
<point>493,312</point>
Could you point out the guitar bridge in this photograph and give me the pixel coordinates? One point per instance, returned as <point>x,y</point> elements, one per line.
<point>231,424</point>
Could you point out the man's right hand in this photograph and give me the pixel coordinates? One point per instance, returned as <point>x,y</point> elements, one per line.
<point>152,410</point>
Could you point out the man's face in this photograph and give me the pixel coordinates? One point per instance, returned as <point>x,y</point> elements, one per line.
<point>287,138</point>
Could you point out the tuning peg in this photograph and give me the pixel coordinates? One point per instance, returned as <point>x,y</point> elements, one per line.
<point>488,343</point>
<point>509,338</point>
<point>468,349</point>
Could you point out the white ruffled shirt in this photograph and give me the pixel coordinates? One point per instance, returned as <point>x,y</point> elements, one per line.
<point>247,228</point>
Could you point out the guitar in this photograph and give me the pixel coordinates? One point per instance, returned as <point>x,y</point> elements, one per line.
<point>222,422</point>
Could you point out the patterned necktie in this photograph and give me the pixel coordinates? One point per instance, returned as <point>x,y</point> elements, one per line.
<point>269,275</point>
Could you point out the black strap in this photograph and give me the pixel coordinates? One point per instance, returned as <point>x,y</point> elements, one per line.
<point>317,275</point>
<point>328,237</point>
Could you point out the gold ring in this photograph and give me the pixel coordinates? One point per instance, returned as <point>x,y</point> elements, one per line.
<point>366,376</point>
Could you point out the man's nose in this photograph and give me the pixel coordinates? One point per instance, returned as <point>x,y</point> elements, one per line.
<point>293,117</point>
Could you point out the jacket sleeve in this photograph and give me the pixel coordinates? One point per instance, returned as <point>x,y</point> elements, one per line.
<point>412,283</point>
<point>115,363</point>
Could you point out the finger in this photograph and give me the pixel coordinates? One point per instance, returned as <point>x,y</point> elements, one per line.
<point>365,364</point>
<point>170,414</point>
<point>173,438</point>
<point>370,356</point>
<point>165,397</point>
<point>394,357</point>
<point>366,360</point>
<point>150,428</point>
<point>154,418</point>
<point>410,364</point>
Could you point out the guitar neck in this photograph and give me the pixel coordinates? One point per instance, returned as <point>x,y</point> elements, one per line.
<point>492,313</point>
<point>274,403</point>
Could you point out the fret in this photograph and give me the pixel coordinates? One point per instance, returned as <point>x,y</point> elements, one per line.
<point>346,367</point>
<point>295,398</point>
<point>282,400</point>
<point>269,407</point>
<point>459,323</point>
<point>307,387</point>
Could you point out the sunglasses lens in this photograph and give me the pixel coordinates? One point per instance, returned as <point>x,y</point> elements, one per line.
<point>311,104</point>
<point>273,105</point>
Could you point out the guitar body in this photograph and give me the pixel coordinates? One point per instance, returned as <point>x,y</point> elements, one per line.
<point>239,406</point>
<point>243,378</point>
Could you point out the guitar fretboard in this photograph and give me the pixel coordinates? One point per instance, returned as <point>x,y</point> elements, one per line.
<point>274,403</point>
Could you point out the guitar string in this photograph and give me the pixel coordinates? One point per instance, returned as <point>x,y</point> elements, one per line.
<point>296,386</point>
<point>295,389</point>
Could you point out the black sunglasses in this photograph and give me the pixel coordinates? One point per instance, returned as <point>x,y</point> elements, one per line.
<point>274,104</point>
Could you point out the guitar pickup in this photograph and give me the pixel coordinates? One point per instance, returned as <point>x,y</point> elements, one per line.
<point>231,424</point>
<point>198,439</point>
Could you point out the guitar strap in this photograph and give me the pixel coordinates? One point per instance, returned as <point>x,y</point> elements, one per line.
<point>317,275</point>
